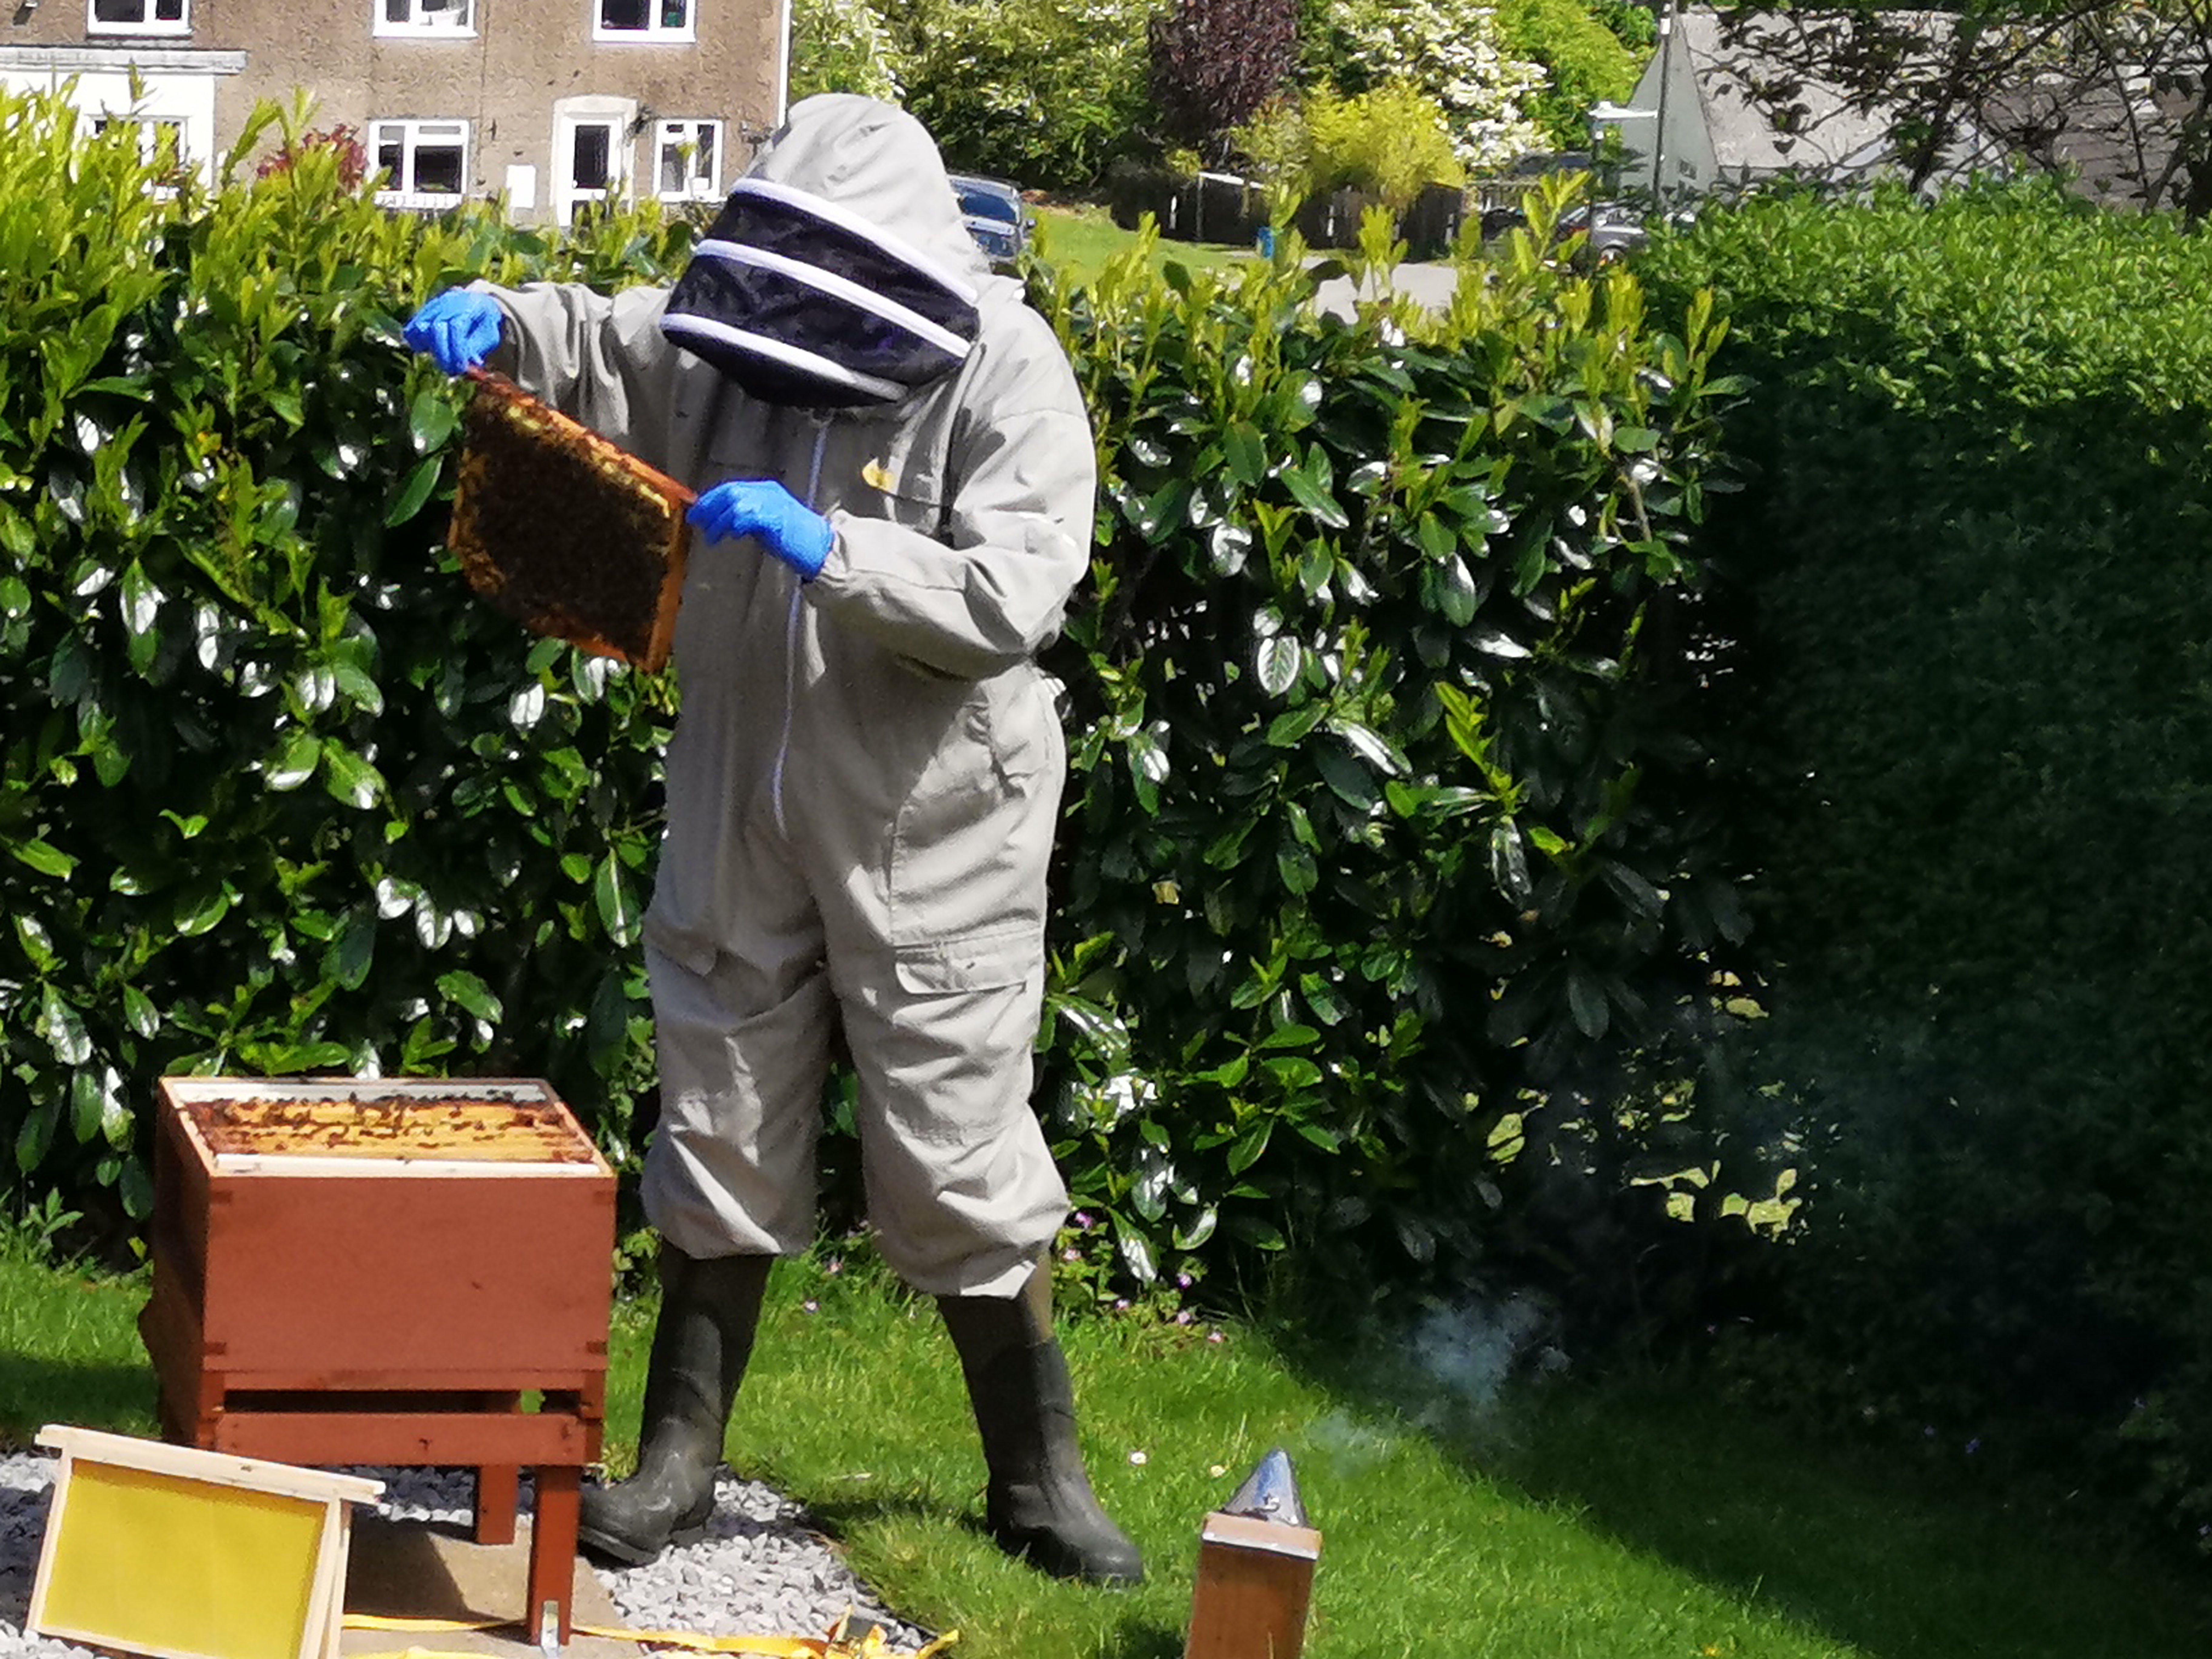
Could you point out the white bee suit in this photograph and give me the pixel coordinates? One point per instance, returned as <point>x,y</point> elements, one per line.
<point>865,778</point>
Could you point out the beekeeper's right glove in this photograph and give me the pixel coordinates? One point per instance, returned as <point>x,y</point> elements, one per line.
<point>458,329</point>
<point>762,507</point>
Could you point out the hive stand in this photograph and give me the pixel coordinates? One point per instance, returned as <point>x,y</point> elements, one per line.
<point>324,1309</point>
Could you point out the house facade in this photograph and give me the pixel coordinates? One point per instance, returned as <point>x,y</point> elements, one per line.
<point>1697,121</point>
<point>551,102</point>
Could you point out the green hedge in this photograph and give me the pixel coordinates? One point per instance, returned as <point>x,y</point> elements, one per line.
<point>1584,60</point>
<point>1391,899</point>
<point>278,795</point>
<point>1978,743</point>
<point>1388,902</point>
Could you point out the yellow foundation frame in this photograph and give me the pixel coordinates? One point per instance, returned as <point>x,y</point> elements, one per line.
<point>180,1553</point>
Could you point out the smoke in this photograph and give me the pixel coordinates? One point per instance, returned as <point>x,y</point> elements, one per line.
<point>1347,1448</point>
<point>1468,1352</point>
<point>1447,1375</point>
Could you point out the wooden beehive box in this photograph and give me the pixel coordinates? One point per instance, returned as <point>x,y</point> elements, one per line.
<point>360,1241</point>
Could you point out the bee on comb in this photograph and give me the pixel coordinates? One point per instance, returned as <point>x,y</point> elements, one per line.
<point>565,532</point>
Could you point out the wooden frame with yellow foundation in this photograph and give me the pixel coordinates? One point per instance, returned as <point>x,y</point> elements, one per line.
<point>188,1554</point>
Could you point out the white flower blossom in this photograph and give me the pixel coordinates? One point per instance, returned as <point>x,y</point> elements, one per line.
<point>1454,52</point>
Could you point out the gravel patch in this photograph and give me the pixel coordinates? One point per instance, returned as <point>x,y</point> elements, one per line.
<point>760,1570</point>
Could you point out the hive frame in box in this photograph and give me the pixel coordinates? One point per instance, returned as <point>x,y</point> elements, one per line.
<point>188,1554</point>
<point>328,1310</point>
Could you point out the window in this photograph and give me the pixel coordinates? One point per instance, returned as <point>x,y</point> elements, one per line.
<point>425,162</point>
<point>689,169</point>
<point>641,19</point>
<point>590,160</point>
<point>137,17</point>
<point>591,156</point>
<point>426,16</point>
<point>160,139</point>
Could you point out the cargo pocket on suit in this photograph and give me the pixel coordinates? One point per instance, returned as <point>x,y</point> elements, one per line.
<point>983,962</point>
<point>973,843</point>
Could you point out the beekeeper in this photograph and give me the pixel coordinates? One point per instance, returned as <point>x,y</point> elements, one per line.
<point>895,479</point>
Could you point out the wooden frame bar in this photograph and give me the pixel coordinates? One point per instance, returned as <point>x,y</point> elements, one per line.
<point>236,1504</point>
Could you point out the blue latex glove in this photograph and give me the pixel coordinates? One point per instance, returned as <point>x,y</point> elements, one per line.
<point>458,329</point>
<point>794,532</point>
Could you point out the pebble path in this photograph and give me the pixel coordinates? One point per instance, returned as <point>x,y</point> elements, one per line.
<point>760,1571</point>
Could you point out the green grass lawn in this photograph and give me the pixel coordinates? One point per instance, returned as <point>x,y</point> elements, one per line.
<point>1080,239</point>
<point>1630,1520</point>
<point>70,1351</point>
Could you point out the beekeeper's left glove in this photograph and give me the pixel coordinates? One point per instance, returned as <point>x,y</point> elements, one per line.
<point>794,532</point>
<point>458,329</point>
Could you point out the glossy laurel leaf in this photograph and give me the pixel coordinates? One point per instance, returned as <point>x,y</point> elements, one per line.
<point>1278,660</point>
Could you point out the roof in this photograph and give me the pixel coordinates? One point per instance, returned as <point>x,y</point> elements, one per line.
<point>2114,144</point>
<point>1765,118</point>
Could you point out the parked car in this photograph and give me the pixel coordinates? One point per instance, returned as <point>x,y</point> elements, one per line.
<point>996,215</point>
<point>1611,230</point>
<point>1615,228</point>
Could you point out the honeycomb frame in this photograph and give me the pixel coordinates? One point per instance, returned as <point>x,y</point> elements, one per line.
<point>563,530</point>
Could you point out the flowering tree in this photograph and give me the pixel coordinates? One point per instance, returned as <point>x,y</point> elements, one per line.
<point>1452,51</point>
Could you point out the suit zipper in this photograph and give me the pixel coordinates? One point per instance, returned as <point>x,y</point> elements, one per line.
<point>791,640</point>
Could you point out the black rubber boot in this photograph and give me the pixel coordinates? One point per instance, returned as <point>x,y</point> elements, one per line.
<point>709,1310</point>
<point>1040,1506</point>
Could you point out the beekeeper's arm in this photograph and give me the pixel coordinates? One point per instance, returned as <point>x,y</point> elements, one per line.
<point>1023,477</point>
<point>598,358</point>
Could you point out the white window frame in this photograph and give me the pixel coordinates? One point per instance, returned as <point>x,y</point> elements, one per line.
<point>401,191</point>
<point>655,32</point>
<point>147,24</point>
<point>150,128</point>
<point>697,186</point>
<point>619,117</point>
<point>102,85</point>
<point>456,20</point>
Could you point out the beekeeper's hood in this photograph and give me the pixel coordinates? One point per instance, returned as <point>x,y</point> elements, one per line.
<point>839,272</point>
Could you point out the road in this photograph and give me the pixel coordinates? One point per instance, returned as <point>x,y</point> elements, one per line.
<point>1431,285</point>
